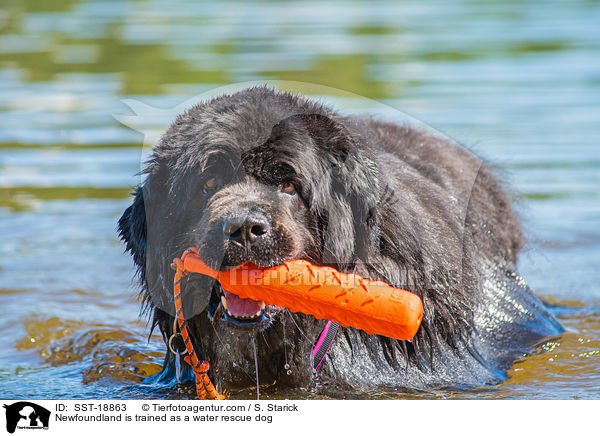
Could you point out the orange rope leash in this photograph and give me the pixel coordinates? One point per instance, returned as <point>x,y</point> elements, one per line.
<point>204,387</point>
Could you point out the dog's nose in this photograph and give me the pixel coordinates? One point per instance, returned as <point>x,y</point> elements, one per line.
<point>245,229</point>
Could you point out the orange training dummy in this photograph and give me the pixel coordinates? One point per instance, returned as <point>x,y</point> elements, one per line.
<point>325,293</point>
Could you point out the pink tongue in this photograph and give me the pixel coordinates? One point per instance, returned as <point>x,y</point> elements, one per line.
<point>241,306</point>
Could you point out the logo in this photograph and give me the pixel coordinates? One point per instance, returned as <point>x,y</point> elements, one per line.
<point>26,415</point>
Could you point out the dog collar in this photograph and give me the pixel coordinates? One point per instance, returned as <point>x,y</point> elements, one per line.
<point>323,344</point>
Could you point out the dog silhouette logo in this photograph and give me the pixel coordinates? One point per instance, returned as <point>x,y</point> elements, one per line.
<point>26,415</point>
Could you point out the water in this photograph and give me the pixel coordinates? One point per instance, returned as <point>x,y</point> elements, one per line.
<point>518,81</point>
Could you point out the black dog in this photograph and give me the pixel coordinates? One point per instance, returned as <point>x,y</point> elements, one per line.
<point>265,177</point>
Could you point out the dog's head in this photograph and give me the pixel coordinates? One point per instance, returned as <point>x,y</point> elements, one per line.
<point>257,176</point>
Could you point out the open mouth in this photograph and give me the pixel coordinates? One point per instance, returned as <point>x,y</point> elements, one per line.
<point>240,312</point>
<point>242,309</point>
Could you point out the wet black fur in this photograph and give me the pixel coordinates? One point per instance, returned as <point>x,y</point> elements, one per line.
<point>387,201</point>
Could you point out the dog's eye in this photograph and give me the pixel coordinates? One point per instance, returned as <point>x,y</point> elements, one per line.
<point>288,188</point>
<point>210,185</point>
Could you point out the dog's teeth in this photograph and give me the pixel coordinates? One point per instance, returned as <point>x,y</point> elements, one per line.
<point>257,314</point>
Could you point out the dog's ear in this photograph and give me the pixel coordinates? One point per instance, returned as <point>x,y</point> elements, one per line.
<point>329,134</point>
<point>353,178</point>
<point>132,229</point>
